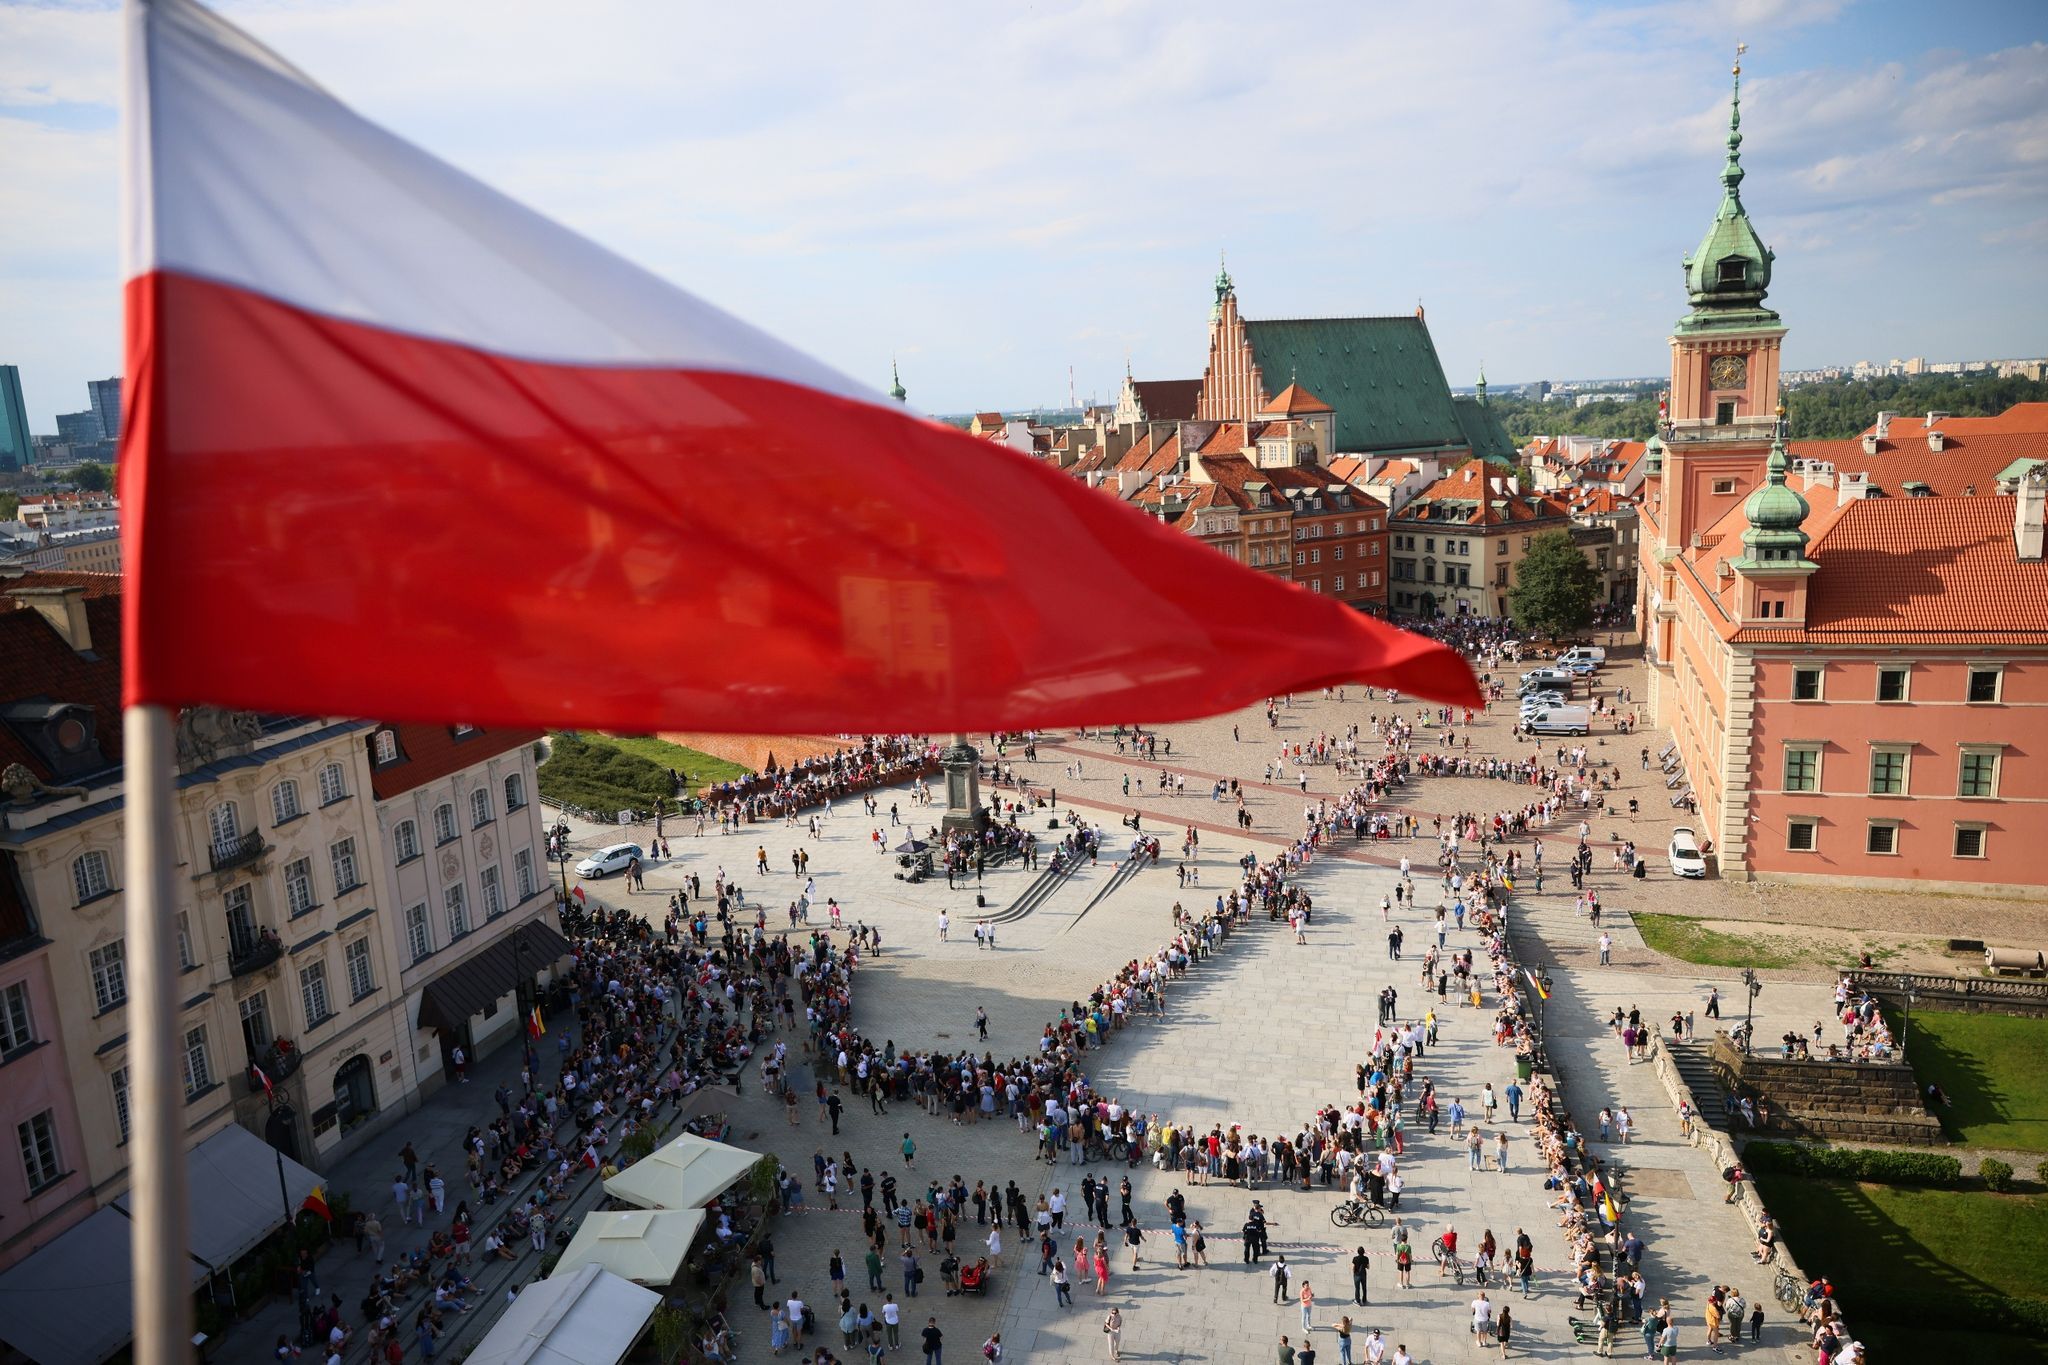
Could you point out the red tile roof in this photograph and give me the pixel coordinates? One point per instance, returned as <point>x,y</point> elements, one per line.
<point>2021,419</point>
<point>428,753</point>
<point>1168,400</point>
<point>35,662</point>
<point>1926,567</point>
<point>1966,461</point>
<point>1294,401</point>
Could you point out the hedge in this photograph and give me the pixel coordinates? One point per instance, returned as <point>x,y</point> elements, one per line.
<point>602,779</point>
<point>1996,1175</point>
<point>1855,1163</point>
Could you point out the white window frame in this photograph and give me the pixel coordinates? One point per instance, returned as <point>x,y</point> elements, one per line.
<point>1978,828</point>
<point>419,932</point>
<point>108,967</point>
<point>298,887</point>
<point>491,888</point>
<point>1994,752</point>
<point>41,1161</point>
<point>117,1079</point>
<point>455,909</point>
<point>362,977</point>
<point>333,784</point>
<point>341,856</point>
<point>1869,838</point>
<point>1820,682</point>
<point>17,1019</point>
<point>444,824</point>
<point>1812,827</point>
<point>194,1061</point>
<point>313,996</point>
<point>186,958</point>
<point>284,802</point>
<point>480,812</point>
<point>1904,753</point>
<point>1905,675</point>
<point>405,840</point>
<point>515,791</point>
<point>522,873</point>
<point>1785,768</point>
<point>1997,685</point>
<point>91,876</point>
<point>387,746</point>
<point>224,827</point>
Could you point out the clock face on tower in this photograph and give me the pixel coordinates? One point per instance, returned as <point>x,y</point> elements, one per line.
<point>1728,372</point>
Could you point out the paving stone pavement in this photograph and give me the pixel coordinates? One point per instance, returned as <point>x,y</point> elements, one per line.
<point>1259,1036</point>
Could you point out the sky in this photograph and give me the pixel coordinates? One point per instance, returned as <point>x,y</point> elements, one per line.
<point>994,195</point>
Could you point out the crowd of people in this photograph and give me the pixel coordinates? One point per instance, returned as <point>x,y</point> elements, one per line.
<point>873,763</point>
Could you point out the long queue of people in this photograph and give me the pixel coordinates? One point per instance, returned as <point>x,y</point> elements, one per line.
<point>874,763</point>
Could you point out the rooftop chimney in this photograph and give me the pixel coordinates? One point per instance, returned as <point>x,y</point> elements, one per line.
<point>64,609</point>
<point>1869,444</point>
<point>1934,439</point>
<point>2027,512</point>
<point>1884,425</point>
<point>1933,417</point>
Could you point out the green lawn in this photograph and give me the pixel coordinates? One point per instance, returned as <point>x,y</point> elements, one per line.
<point>1896,1246</point>
<point>1687,939</point>
<point>1995,1070</point>
<point>702,768</point>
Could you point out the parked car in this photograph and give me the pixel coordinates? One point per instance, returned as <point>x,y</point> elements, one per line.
<point>1545,679</point>
<point>1591,654</point>
<point>1559,720</point>
<point>1543,701</point>
<point>608,860</point>
<point>1686,860</point>
<point>1581,668</point>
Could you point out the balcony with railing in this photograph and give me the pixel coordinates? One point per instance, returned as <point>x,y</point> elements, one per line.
<point>277,1061</point>
<point>251,949</point>
<point>238,851</point>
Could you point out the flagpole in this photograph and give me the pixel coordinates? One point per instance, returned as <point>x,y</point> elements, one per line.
<point>156,1167</point>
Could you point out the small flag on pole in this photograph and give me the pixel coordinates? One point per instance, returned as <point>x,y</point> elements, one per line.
<point>269,1091</point>
<point>316,1203</point>
<point>578,894</point>
<point>1536,984</point>
<point>534,1027</point>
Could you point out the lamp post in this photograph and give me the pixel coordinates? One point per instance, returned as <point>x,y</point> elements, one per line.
<point>1906,1024</point>
<point>1754,988</point>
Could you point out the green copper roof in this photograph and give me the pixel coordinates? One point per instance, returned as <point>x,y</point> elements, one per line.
<point>1729,272</point>
<point>896,389</point>
<point>1489,439</point>
<point>1380,374</point>
<point>1775,513</point>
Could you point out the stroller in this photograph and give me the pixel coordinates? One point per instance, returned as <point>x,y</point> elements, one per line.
<point>974,1278</point>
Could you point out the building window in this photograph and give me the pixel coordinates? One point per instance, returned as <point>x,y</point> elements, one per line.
<point>494,895</point>
<point>198,1070</point>
<point>1984,684</point>
<point>17,1025</point>
<point>1375,578</point>
<point>1301,558</point>
<point>332,787</point>
<point>1724,416</point>
<point>457,902</point>
<point>1891,684</point>
<point>1337,552</point>
<point>242,932</point>
<point>1724,487</point>
<point>1806,684</point>
<point>356,957</point>
<point>313,992</point>
<point>256,1034</point>
<point>1315,585</point>
<point>405,841</point>
<point>298,886</point>
<point>109,974</point>
<point>1979,776</point>
<point>1802,767</point>
<point>522,872</point>
<point>387,746</point>
<point>343,856</point>
<point>515,791</point>
<point>119,1080</point>
<point>1888,772</point>
<point>284,802</point>
<point>419,935</point>
<point>89,876</point>
<point>1340,583</point>
<point>1802,836</point>
<point>224,824</point>
<point>1969,841</point>
<point>479,807</point>
<point>1503,547</point>
<point>444,824</point>
<point>185,958</point>
<point>1883,838</point>
<point>38,1138</point>
<point>1375,549</point>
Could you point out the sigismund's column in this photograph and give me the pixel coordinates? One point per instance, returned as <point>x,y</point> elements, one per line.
<point>964,811</point>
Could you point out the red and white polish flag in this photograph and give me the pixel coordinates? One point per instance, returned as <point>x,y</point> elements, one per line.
<point>395,445</point>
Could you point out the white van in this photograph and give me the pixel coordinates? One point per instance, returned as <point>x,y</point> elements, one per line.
<point>1545,679</point>
<point>1560,720</point>
<point>1582,654</point>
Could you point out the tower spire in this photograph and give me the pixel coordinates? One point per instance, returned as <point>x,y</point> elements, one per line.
<point>896,389</point>
<point>1731,174</point>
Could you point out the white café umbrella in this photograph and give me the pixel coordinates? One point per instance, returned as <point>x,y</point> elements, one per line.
<point>687,1173</point>
<point>644,1247</point>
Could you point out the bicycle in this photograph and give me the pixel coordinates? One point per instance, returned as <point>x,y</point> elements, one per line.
<point>1359,1213</point>
<point>1457,1266</point>
<point>1790,1293</point>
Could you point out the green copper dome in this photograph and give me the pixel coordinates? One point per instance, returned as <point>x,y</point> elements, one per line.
<point>1775,513</point>
<point>896,389</point>
<point>1729,272</point>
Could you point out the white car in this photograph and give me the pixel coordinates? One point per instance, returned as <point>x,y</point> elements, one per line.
<point>606,861</point>
<point>1542,701</point>
<point>1685,854</point>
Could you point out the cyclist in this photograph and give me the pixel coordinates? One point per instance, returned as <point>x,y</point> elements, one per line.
<point>1447,1255</point>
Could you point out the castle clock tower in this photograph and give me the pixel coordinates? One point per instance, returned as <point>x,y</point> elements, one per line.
<point>1724,364</point>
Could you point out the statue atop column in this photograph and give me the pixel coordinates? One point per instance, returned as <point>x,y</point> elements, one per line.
<point>964,811</point>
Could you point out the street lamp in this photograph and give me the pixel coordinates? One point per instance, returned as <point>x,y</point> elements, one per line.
<point>1906,1024</point>
<point>1755,988</point>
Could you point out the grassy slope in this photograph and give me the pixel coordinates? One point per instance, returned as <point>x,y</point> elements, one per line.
<point>1995,1070</point>
<point>702,768</point>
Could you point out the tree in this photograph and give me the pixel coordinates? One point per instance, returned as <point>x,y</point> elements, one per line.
<point>10,503</point>
<point>1554,587</point>
<point>92,478</point>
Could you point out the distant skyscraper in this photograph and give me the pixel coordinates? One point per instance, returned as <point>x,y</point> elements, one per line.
<point>105,397</point>
<point>78,428</point>
<point>15,443</point>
